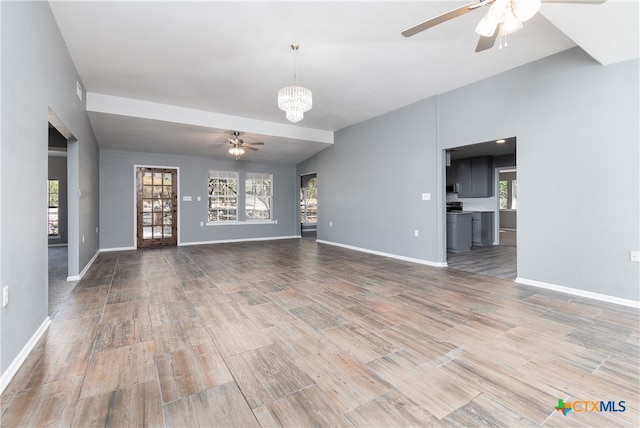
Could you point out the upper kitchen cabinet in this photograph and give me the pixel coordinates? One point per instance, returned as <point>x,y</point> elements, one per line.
<point>474,177</point>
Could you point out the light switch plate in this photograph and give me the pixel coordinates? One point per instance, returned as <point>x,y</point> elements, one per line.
<point>634,256</point>
<point>426,196</point>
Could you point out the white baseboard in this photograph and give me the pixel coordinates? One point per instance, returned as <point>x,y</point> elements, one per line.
<point>380,253</point>
<point>86,268</point>
<point>226,241</point>
<point>581,293</point>
<point>22,356</point>
<point>108,250</point>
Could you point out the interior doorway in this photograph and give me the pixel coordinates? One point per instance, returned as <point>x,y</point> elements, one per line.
<point>309,205</point>
<point>156,206</point>
<point>481,206</point>
<point>508,206</point>
<point>58,214</point>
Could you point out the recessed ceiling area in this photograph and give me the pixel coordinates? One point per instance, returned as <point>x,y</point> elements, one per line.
<point>205,68</point>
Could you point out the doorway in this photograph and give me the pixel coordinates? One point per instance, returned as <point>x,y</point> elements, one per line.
<point>309,205</point>
<point>479,239</point>
<point>507,206</point>
<point>58,211</point>
<point>156,207</point>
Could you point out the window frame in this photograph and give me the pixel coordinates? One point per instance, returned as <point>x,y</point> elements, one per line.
<point>228,176</point>
<point>253,177</point>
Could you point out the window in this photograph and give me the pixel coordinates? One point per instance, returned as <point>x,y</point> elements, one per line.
<point>508,191</point>
<point>258,189</point>
<point>52,210</point>
<point>503,194</point>
<point>309,202</point>
<point>223,196</point>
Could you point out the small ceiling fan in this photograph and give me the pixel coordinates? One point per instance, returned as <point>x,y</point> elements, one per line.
<point>504,17</point>
<point>239,146</point>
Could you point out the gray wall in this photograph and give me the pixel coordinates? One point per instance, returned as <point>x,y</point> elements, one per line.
<point>58,171</point>
<point>577,127</point>
<point>37,75</point>
<point>576,123</point>
<point>118,205</point>
<point>371,180</point>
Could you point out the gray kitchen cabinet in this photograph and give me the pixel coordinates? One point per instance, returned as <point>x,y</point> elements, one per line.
<point>458,232</point>
<point>474,177</point>
<point>482,228</point>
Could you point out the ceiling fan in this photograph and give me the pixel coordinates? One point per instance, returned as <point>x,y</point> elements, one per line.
<point>238,146</point>
<point>504,17</point>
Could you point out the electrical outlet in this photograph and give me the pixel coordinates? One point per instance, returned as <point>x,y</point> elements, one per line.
<point>330,224</point>
<point>201,223</point>
<point>416,233</point>
<point>634,256</point>
<point>5,296</point>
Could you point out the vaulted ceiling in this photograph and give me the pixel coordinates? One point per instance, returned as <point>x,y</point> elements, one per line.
<point>177,77</point>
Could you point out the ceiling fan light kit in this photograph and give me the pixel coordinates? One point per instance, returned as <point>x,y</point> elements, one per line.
<point>524,10</point>
<point>236,151</point>
<point>504,17</point>
<point>509,15</point>
<point>294,100</point>
<point>240,147</point>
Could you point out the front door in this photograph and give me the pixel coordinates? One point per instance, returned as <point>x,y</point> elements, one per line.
<point>157,207</point>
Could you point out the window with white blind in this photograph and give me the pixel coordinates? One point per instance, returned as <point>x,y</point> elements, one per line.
<point>223,196</point>
<point>258,189</point>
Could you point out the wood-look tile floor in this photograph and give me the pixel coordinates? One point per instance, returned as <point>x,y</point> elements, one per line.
<point>498,261</point>
<point>295,333</point>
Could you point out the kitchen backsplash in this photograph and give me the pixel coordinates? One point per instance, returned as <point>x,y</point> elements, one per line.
<point>475,204</point>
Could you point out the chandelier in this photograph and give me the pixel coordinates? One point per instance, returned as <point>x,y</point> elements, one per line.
<point>294,100</point>
<point>509,15</point>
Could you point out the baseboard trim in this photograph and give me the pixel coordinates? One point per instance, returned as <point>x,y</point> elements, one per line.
<point>380,253</point>
<point>22,356</point>
<point>108,250</point>
<point>86,268</point>
<point>227,241</point>
<point>581,293</point>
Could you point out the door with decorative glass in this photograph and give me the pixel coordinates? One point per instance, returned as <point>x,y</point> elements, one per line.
<point>157,207</point>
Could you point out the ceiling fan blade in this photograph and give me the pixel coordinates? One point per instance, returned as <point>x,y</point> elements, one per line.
<point>440,19</point>
<point>485,43</point>
<point>249,147</point>
<point>257,143</point>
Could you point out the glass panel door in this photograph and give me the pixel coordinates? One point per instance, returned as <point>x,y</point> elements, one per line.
<point>157,207</point>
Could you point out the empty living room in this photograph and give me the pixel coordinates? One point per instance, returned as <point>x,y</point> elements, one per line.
<point>293,214</point>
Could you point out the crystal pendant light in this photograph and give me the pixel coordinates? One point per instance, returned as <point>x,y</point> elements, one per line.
<point>294,100</point>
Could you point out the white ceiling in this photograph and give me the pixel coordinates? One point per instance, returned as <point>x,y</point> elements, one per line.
<point>176,77</point>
